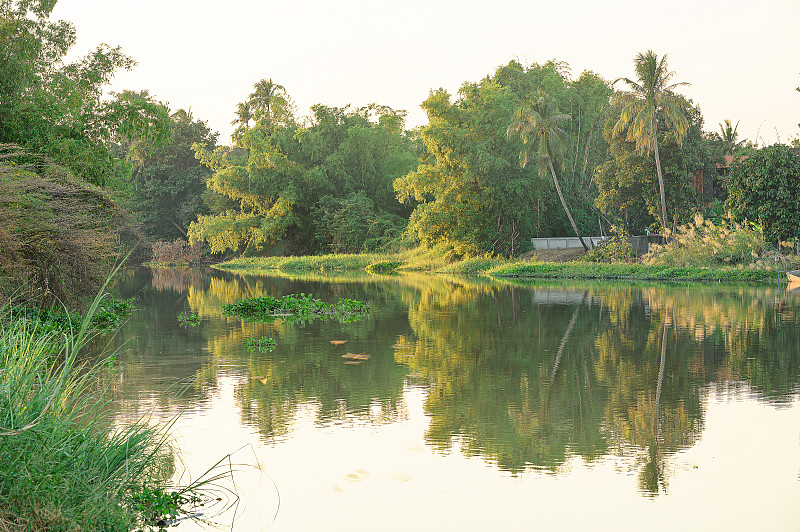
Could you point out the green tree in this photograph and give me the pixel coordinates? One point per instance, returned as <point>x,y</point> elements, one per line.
<point>539,125</point>
<point>286,181</point>
<point>471,192</point>
<point>650,96</point>
<point>58,109</point>
<point>267,101</point>
<point>763,189</point>
<point>728,133</point>
<point>627,181</point>
<point>171,180</point>
<point>244,114</point>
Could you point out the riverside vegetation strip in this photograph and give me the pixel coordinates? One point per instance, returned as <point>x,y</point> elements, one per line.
<point>499,268</point>
<point>61,466</point>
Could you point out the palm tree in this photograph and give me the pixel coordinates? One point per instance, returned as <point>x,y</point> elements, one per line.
<point>266,96</point>
<point>648,97</point>
<point>539,125</point>
<point>728,136</point>
<point>244,115</point>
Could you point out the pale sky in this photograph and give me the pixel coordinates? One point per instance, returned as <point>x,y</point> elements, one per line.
<point>741,58</point>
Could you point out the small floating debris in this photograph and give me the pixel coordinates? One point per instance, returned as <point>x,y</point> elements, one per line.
<point>338,342</point>
<point>354,356</point>
<point>352,362</point>
<point>262,380</point>
<point>402,346</point>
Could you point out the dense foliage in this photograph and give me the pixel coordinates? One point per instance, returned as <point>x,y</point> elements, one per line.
<point>325,185</point>
<point>764,188</point>
<point>58,235</point>
<point>168,181</point>
<point>58,109</point>
<point>627,183</point>
<point>473,194</point>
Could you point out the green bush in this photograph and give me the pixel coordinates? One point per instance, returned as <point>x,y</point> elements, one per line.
<point>615,249</point>
<point>704,243</point>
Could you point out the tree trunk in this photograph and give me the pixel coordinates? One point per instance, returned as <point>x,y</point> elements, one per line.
<point>660,184</point>
<point>564,204</point>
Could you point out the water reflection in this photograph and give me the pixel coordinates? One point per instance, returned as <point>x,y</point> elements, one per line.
<point>526,376</point>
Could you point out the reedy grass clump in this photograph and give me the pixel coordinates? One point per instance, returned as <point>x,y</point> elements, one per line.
<point>705,243</point>
<point>62,466</point>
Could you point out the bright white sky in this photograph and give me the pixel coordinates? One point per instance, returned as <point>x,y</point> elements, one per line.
<point>741,58</point>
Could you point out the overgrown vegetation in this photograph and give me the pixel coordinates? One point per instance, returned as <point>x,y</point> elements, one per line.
<point>59,237</point>
<point>62,466</point>
<point>177,252</point>
<point>704,243</point>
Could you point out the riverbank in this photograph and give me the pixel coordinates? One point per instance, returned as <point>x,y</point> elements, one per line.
<point>63,463</point>
<point>499,268</point>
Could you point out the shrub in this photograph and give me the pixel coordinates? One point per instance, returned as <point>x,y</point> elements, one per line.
<point>177,252</point>
<point>59,237</point>
<point>615,249</point>
<point>704,243</point>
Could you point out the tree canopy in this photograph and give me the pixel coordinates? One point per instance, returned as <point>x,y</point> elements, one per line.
<point>472,193</point>
<point>293,182</point>
<point>59,109</point>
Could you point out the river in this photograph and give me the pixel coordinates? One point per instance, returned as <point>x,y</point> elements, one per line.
<point>482,406</point>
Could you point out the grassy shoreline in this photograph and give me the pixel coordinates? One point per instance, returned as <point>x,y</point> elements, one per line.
<point>64,465</point>
<point>499,268</point>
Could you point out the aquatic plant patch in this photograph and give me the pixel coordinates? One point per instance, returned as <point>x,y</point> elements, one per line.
<point>296,309</point>
<point>384,267</point>
<point>188,319</point>
<point>263,344</point>
<point>109,315</point>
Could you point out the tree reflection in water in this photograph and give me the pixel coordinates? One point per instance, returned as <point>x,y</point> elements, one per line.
<point>527,376</point>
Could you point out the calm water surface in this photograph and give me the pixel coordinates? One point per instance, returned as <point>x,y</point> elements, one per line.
<point>483,406</point>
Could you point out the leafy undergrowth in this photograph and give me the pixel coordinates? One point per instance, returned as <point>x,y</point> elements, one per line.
<point>109,315</point>
<point>384,267</point>
<point>296,309</point>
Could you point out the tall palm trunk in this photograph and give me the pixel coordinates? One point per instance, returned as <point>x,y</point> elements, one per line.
<point>564,204</point>
<point>660,182</point>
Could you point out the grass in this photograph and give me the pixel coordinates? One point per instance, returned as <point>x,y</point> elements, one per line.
<point>437,260</point>
<point>589,270</point>
<point>63,465</point>
<point>327,263</point>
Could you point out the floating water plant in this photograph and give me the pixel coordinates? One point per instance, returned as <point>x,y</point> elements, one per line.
<point>296,309</point>
<point>187,319</point>
<point>263,344</point>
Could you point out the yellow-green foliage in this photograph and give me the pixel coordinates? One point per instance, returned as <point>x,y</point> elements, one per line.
<point>704,243</point>
<point>615,249</point>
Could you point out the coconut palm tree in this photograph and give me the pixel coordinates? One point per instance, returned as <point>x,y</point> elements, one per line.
<point>729,134</point>
<point>648,98</point>
<point>538,123</point>
<point>243,117</point>
<point>265,98</point>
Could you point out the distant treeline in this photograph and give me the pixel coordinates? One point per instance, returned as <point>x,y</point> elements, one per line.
<point>123,167</point>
